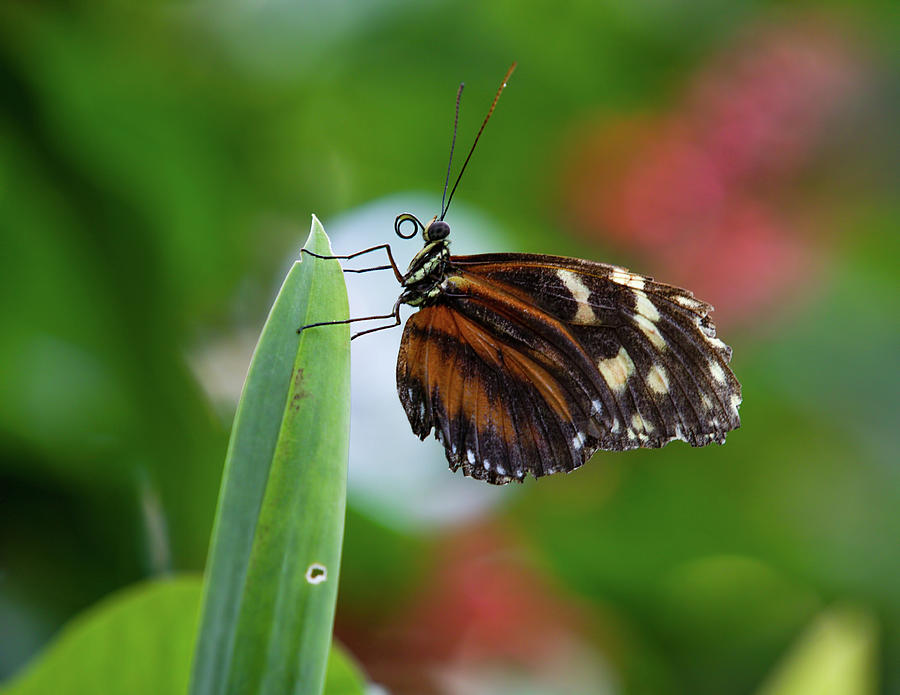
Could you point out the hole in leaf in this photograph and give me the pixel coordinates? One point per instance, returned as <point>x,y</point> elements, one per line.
<point>316,574</point>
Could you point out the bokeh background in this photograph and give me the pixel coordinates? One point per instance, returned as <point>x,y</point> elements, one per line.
<point>159,165</point>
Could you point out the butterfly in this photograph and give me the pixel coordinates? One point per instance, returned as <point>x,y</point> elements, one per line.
<point>529,363</point>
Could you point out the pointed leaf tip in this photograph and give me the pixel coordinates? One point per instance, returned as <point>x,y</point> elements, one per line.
<point>318,241</point>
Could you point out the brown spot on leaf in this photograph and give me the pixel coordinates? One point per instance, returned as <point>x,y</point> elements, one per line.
<point>299,392</point>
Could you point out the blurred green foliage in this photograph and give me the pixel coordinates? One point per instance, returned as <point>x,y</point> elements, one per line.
<point>157,620</point>
<point>158,163</point>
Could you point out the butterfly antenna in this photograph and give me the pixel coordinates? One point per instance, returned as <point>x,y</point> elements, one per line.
<point>480,131</point>
<point>452,145</point>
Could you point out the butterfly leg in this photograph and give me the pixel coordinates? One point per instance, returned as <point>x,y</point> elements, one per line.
<point>395,314</point>
<point>386,247</point>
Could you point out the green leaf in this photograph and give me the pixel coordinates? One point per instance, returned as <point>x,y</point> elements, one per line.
<point>837,655</point>
<point>343,676</point>
<point>139,641</point>
<point>272,572</point>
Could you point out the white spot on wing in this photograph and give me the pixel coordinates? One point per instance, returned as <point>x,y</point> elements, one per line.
<point>470,455</point>
<point>658,380</point>
<point>717,372</point>
<point>716,343</point>
<point>596,406</point>
<point>620,276</point>
<point>639,424</point>
<point>687,302</point>
<point>578,440</point>
<point>645,307</point>
<point>487,465</point>
<point>580,293</point>
<point>649,329</point>
<point>616,370</point>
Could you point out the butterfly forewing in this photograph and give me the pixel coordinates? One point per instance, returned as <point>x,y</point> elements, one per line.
<point>531,363</point>
<point>658,336</point>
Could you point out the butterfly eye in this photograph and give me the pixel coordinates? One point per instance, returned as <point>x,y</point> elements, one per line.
<point>437,230</point>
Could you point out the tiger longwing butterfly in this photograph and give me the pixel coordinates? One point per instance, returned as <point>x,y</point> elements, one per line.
<point>528,363</point>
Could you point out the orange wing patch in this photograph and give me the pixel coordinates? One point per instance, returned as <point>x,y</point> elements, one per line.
<point>498,412</point>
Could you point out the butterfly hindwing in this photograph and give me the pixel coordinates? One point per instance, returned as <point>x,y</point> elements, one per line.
<point>499,412</point>
<point>532,363</point>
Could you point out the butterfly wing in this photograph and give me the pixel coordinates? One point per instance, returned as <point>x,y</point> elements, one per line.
<point>656,338</point>
<point>499,409</point>
<point>532,363</point>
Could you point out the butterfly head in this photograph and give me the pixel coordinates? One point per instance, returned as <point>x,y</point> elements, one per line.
<point>435,231</point>
<point>423,278</point>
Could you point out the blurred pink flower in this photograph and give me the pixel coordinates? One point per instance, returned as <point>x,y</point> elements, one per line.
<point>490,603</point>
<point>708,193</point>
<point>760,111</point>
<point>485,606</point>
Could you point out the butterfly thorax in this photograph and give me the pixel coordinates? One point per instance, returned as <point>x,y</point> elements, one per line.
<point>427,270</point>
